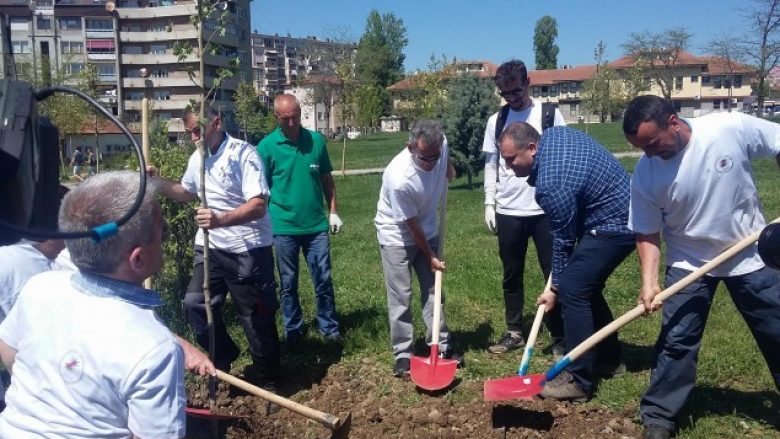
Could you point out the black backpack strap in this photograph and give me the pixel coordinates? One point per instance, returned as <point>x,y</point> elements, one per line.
<point>548,115</point>
<point>500,122</point>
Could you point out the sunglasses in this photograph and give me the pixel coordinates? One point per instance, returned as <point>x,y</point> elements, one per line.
<point>430,159</point>
<point>513,93</point>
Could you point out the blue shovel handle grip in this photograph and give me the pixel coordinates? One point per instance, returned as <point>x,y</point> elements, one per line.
<point>557,368</point>
<point>529,350</point>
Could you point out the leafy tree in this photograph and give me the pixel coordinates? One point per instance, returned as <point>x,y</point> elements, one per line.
<point>471,101</point>
<point>249,112</point>
<point>370,104</point>
<point>545,33</point>
<point>604,94</point>
<point>426,96</point>
<point>658,54</point>
<point>379,62</point>
<point>761,45</point>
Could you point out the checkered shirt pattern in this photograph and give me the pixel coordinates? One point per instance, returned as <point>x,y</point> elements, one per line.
<point>581,187</point>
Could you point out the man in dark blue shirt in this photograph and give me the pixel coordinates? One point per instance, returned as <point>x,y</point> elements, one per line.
<point>584,191</point>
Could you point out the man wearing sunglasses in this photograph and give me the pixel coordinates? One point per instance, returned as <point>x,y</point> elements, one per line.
<point>510,209</point>
<point>413,185</point>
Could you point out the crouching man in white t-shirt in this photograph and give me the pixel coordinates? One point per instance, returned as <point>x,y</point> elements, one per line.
<point>694,187</point>
<point>87,353</point>
<point>413,185</point>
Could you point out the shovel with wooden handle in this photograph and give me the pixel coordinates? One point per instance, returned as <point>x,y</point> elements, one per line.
<point>339,427</point>
<point>528,387</point>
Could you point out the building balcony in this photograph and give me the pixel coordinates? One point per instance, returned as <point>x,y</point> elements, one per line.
<point>150,59</point>
<point>180,103</point>
<point>101,56</point>
<point>152,83</point>
<point>100,34</point>
<point>151,37</point>
<point>156,12</point>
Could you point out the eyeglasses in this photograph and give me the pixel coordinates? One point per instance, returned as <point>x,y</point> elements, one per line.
<point>430,159</point>
<point>513,93</point>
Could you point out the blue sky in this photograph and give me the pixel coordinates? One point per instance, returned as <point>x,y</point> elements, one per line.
<point>501,30</point>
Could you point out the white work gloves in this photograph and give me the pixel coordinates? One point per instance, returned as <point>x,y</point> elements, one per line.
<point>490,192</point>
<point>335,223</point>
<point>490,217</point>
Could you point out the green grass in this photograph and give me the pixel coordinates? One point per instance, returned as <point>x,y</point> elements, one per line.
<point>368,151</point>
<point>608,134</point>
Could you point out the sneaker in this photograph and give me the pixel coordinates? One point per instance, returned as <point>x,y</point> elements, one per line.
<point>564,388</point>
<point>449,354</point>
<point>557,348</point>
<point>607,371</point>
<point>656,432</point>
<point>508,342</point>
<point>401,368</point>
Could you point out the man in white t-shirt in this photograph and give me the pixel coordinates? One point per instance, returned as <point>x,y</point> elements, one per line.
<point>240,239</point>
<point>413,186</point>
<point>695,187</point>
<point>511,211</point>
<point>88,355</point>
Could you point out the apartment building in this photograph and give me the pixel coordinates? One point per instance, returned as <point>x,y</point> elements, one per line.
<point>131,44</point>
<point>280,62</point>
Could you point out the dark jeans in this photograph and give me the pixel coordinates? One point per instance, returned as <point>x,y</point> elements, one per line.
<point>249,277</point>
<point>513,235</point>
<point>584,308</point>
<point>316,250</point>
<point>756,296</point>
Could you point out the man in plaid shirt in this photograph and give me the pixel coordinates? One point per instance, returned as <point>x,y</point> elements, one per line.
<point>584,191</point>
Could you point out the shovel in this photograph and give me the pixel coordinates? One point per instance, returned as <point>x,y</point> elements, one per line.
<point>528,387</point>
<point>339,427</point>
<point>434,373</point>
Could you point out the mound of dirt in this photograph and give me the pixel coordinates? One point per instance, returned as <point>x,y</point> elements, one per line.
<point>383,406</point>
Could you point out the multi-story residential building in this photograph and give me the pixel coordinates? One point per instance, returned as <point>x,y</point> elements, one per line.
<point>279,62</point>
<point>131,44</point>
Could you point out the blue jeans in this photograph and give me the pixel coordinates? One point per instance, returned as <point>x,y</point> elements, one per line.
<point>582,301</point>
<point>316,250</point>
<point>756,296</point>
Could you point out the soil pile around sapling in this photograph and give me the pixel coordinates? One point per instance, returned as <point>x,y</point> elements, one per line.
<point>384,406</point>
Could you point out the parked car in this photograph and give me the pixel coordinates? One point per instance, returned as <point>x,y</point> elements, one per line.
<point>352,135</point>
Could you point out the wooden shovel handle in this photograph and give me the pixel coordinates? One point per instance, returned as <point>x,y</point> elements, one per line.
<point>640,309</point>
<point>325,419</point>
<point>531,341</point>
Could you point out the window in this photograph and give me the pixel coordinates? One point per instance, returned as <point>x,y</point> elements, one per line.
<point>572,110</point>
<point>94,24</point>
<point>737,81</point>
<point>574,86</point>
<point>105,70</point>
<point>135,95</point>
<point>158,27</point>
<point>678,82</point>
<point>20,46</point>
<point>160,95</point>
<point>43,23</point>
<point>565,88</point>
<point>160,73</point>
<point>694,78</point>
<point>553,90</point>
<point>74,68</point>
<point>545,91</point>
<point>717,81</point>
<point>705,79</point>
<point>241,12</point>
<point>70,47</point>
<point>158,49</point>
<point>716,104</point>
<point>242,56</point>
<point>242,76</point>
<point>100,46</point>
<point>132,50</point>
<point>19,23</point>
<point>70,23</point>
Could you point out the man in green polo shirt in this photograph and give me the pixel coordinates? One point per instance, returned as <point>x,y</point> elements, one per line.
<point>298,170</point>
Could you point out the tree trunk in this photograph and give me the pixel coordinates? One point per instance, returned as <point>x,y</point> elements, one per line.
<point>470,178</point>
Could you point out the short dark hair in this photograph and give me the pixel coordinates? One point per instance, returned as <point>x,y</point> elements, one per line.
<point>511,71</point>
<point>646,108</point>
<point>429,131</point>
<point>520,133</point>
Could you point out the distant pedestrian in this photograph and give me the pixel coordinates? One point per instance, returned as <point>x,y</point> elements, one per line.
<point>695,189</point>
<point>77,161</point>
<point>91,162</point>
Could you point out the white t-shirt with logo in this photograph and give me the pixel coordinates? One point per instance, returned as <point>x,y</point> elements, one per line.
<point>704,200</point>
<point>234,174</point>
<point>89,366</point>
<point>409,192</point>
<point>513,194</point>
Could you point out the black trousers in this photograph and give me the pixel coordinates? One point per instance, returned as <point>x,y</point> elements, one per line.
<point>513,235</point>
<point>249,277</point>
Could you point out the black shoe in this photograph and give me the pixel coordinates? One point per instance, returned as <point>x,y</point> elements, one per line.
<point>557,348</point>
<point>508,342</point>
<point>401,368</point>
<point>449,354</point>
<point>609,371</point>
<point>655,432</point>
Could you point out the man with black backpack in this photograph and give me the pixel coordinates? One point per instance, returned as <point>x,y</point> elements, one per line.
<point>510,209</point>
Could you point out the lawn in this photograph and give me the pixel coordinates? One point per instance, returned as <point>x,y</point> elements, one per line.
<point>734,394</point>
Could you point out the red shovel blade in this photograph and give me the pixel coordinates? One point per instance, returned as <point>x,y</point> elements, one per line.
<point>433,373</point>
<point>208,414</point>
<point>516,387</point>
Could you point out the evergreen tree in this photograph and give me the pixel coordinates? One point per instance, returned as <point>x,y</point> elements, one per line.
<point>545,33</point>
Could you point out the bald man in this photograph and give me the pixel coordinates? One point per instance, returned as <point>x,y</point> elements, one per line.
<point>303,209</point>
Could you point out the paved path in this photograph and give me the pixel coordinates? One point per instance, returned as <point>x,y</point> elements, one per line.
<point>619,155</point>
